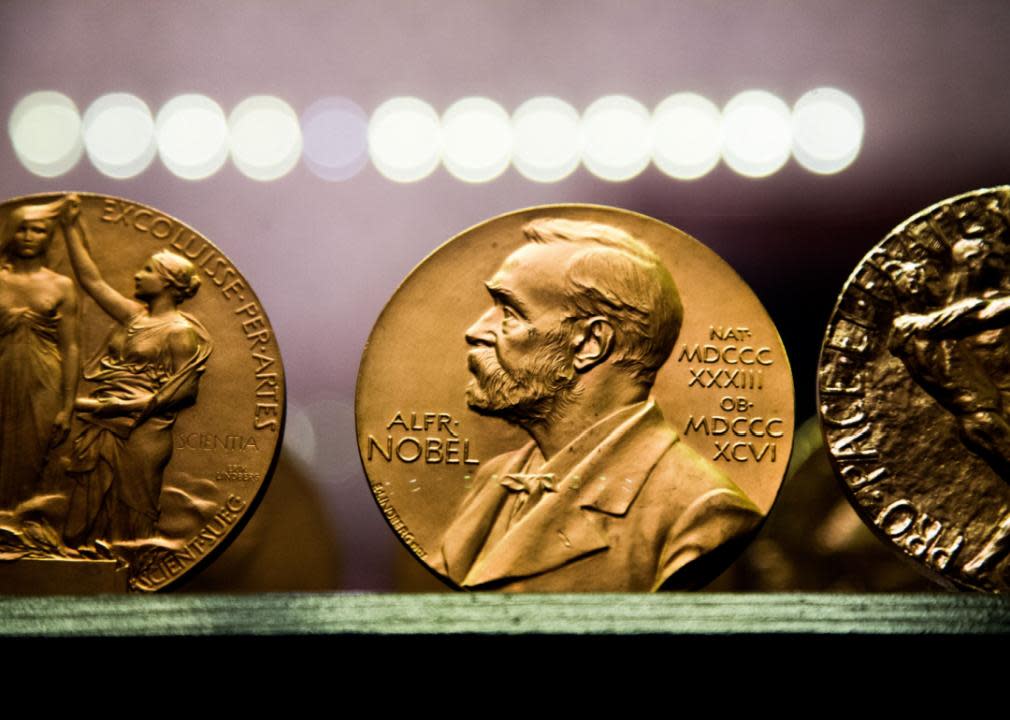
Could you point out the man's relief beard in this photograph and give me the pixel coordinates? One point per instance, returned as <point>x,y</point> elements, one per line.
<point>527,395</point>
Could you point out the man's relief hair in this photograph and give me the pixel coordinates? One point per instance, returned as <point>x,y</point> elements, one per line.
<point>614,275</point>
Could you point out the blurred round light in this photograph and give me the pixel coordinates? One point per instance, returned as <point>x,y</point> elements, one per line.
<point>757,133</point>
<point>686,136</point>
<point>265,137</point>
<point>405,139</point>
<point>617,133</point>
<point>119,135</point>
<point>548,141</point>
<point>827,130</point>
<point>476,139</point>
<point>299,434</point>
<point>335,138</point>
<point>45,130</point>
<point>192,135</point>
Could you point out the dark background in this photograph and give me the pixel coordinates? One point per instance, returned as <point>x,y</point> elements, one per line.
<point>931,78</point>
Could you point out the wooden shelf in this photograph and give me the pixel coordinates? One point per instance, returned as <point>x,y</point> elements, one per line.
<point>719,614</point>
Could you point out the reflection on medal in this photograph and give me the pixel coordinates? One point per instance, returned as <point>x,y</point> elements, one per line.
<point>914,382</point>
<point>111,361</point>
<point>574,398</point>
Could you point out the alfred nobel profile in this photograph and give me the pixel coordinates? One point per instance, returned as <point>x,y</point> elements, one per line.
<point>605,496</point>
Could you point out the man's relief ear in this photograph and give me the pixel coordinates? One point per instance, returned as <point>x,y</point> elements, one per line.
<point>593,342</point>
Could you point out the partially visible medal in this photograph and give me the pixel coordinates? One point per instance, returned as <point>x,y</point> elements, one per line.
<point>574,398</point>
<point>141,396</point>
<point>914,389</point>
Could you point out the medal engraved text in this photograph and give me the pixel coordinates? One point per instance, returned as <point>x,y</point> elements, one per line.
<point>173,562</point>
<point>732,362</point>
<point>919,534</point>
<point>431,438</point>
<point>216,441</point>
<point>219,270</point>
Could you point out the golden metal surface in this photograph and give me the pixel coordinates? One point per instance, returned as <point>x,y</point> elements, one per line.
<point>574,398</point>
<point>141,396</point>
<point>913,382</point>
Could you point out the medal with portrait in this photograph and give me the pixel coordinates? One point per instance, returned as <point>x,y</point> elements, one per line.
<point>574,398</point>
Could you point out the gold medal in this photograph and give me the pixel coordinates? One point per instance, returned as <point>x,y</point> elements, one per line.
<point>913,389</point>
<point>141,396</point>
<point>574,398</point>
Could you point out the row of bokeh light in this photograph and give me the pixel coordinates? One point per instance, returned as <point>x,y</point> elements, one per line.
<point>475,139</point>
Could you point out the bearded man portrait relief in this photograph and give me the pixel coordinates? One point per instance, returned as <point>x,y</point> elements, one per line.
<point>604,496</point>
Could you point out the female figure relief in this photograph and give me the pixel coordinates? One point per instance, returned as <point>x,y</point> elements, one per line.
<point>148,371</point>
<point>39,358</point>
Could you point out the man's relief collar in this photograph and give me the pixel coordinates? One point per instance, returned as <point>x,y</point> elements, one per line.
<point>581,466</point>
<point>566,524</point>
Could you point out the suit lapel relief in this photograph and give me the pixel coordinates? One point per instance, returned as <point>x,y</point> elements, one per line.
<point>551,535</point>
<point>571,523</point>
<point>620,465</point>
<point>465,537</point>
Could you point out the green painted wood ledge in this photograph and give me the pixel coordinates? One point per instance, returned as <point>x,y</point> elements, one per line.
<point>490,614</point>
